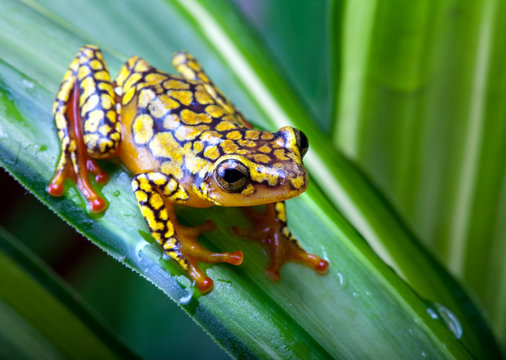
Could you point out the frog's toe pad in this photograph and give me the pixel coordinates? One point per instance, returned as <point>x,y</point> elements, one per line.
<point>322,266</point>
<point>102,178</point>
<point>205,285</point>
<point>55,189</point>
<point>235,258</point>
<point>97,205</point>
<point>319,265</point>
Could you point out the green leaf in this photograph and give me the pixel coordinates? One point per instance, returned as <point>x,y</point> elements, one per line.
<point>41,319</point>
<point>305,315</point>
<point>422,110</point>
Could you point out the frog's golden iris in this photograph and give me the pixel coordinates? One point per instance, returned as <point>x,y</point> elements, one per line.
<point>185,143</point>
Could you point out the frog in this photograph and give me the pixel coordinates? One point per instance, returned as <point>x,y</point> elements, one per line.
<point>184,143</point>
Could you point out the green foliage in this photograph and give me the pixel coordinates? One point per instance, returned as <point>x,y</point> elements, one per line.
<point>417,310</point>
<point>421,108</point>
<point>41,318</point>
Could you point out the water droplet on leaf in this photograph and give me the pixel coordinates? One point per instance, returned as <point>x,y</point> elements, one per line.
<point>185,300</point>
<point>451,320</point>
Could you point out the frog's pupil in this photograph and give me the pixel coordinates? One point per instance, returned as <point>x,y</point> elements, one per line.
<point>232,175</point>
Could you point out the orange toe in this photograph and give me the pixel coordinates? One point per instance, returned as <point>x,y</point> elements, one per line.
<point>55,189</point>
<point>205,285</point>
<point>97,205</point>
<point>322,267</point>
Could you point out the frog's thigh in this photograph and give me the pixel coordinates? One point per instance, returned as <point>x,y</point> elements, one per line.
<point>97,104</point>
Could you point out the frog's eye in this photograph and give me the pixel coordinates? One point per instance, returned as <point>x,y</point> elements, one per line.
<point>302,142</point>
<point>232,175</point>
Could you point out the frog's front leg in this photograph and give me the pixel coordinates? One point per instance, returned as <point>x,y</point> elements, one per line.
<point>271,229</point>
<point>86,119</point>
<point>155,193</point>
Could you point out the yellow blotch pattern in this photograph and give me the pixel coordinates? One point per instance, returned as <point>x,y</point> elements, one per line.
<point>267,135</point>
<point>128,96</point>
<point>298,182</point>
<point>183,96</point>
<point>229,147</point>
<point>105,129</point>
<point>158,109</point>
<point>156,201</point>
<point>155,78</point>
<point>191,118</point>
<point>132,79</point>
<point>281,212</point>
<point>168,102</point>
<point>164,145</point>
<point>94,118</point>
<point>248,143</point>
<point>175,84</point>
<point>252,134</point>
<point>189,133</point>
<point>143,129</point>
<point>225,125</point>
<point>145,97</point>
<point>215,111</point>
<point>280,154</point>
<point>141,66</point>
<point>198,146</point>
<point>234,135</point>
<point>96,65</point>
<point>203,96</point>
<point>261,158</point>
<point>265,149</point>
<point>249,190</point>
<point>212,152</point>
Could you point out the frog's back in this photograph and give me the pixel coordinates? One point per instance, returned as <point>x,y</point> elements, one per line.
<point>165,116</point>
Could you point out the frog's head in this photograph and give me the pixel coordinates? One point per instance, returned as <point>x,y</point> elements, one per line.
<point>258,167</point>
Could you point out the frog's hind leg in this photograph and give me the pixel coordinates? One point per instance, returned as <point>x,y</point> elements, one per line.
<point>155,193</point>
<point>190,69</point>
<point>271,229</point>
<point>85,116</point>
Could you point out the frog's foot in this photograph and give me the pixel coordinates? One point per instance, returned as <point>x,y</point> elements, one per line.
<point>75,162</point>
<point>271,230</point>
<point>190,251</point>
<point>55,187</point>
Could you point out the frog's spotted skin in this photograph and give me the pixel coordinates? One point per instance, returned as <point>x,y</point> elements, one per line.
<point>190,69</point>
<point>102,131</point>
<point>185,143</point>
<point>187,130</point>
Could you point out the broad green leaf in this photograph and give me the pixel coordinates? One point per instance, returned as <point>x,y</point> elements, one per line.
<point>422,108</point>
<point>305,315</point>
<point>41,319</point>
